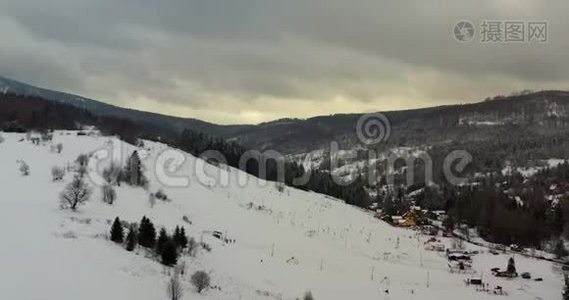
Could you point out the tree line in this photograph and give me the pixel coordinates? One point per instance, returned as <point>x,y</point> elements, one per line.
<point>165,246</point>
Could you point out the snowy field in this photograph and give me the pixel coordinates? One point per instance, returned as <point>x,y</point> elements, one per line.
<point>287,242</point>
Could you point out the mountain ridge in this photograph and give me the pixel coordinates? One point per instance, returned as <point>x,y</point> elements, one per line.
<point>101,108</point>
<point>298,135</point>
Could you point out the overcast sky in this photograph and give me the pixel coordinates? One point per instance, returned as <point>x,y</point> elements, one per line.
<point>248,61</point>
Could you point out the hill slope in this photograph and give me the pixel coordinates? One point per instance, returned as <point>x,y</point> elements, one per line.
<point>285,242</point>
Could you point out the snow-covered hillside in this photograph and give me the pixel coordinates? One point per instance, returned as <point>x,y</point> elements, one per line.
<point>287,241</point>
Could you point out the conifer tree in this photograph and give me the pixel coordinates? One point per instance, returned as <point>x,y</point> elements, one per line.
<point>131,239</point>
<point>511,266</point>
<point>132,172</point>
<point>117,231</point>
<point>183,240</point>
<point>169,253</point>
<point>146,233</point>
<point>161,241</point>
<point>180,238</point>
<point>308,296</point>
<point>151,234</point>
<point>176,236</point>
<point>141,230</point>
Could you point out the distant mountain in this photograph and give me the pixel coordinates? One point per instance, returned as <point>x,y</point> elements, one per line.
<point>533,112</point>
<point>103,109</point>
<point>538,112</point>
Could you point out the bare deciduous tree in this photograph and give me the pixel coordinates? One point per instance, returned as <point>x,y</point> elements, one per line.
<point>200,280</point>
<point>82,160</point>
<point>161,195</point>
<point>192,247</point>
<point>112,174</point>
<point>46,136</point>
<point>56,148</point>
<point>181,268</point>
<point>76,193</point>
<point>174,289</point>
<point>57,173</point>
<point>109,194</point>
<point>24,168</point>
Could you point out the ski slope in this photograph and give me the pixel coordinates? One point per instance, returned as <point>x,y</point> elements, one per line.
<point>286,242</point>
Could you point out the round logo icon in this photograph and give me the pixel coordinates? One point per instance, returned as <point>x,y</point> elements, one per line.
<point>373,128</point>
<point>463,31</point>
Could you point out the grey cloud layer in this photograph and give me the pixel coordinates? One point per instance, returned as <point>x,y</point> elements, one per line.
<point>255,60</point>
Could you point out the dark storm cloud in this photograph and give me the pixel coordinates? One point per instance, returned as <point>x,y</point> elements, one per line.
<point>255,60</point>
